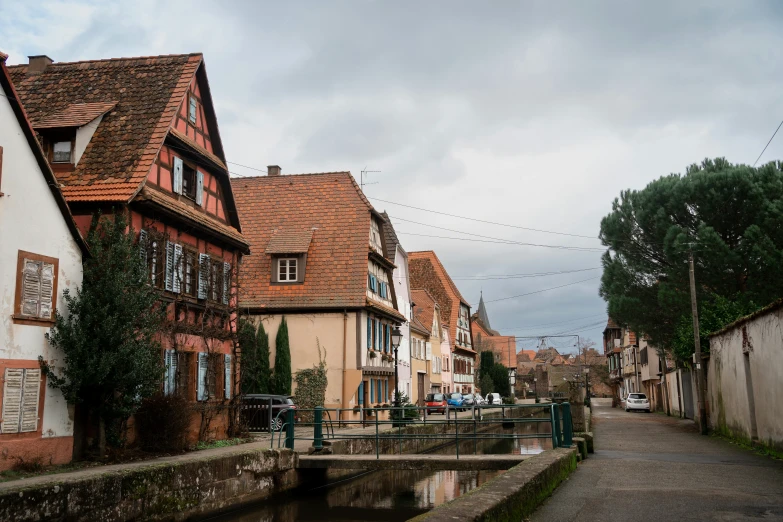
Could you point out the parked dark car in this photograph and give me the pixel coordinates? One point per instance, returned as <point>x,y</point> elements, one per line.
<point>255,411</point>
<point>435,403</point>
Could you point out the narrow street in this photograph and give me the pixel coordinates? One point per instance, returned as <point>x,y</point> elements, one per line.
<point>652,467</point>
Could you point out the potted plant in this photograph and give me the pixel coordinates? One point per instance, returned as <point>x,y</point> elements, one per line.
<point>356,409</point>
<point>373,355</point>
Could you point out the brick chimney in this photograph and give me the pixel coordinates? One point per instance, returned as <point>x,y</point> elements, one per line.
<point>273,170</point>
<point>38,64</point>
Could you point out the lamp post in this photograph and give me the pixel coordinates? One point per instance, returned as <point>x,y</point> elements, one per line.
<point>535,387</point>
<point>396,339</point>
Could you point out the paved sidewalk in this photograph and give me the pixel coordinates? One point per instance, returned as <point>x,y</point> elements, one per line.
<point>648,467</point>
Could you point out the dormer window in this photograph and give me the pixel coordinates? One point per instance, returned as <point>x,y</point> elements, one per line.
<point>62,152</point>
<point>287,269</point>
<point>189,181</point>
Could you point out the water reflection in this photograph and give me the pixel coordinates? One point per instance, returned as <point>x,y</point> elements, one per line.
<point>394,495</point>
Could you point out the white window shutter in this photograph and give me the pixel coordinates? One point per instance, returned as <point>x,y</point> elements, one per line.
<point>203,276</point>
<point>199,187</point>
<point>166,377</point>
<point>169,265</point>
<point>143,245</point>
<point>177,175</point>
<point>176,283</point>
<point>31,287</point>
<point>30,394</point>
<point>202,377</point>
<point>47,290</point>
<point>429,350</point>
<point>170,384</point>
<point>226,282</point>
<point>227,379</point>
<point>12,400</point>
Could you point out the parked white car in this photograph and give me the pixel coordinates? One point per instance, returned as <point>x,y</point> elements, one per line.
<point>480,401</point>
<point>637,401</point>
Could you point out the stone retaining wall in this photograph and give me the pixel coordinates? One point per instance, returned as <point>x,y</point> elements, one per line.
<point>170,491</point>
<point>511,496</point>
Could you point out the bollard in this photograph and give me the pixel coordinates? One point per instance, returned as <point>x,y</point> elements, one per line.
<point>318,429</point>
<point>289,429</point>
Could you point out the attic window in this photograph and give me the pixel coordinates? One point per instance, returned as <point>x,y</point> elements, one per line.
<point>287,272</point>
<point>192,110</point>
<point>62,152</point>
<point>189,182</point>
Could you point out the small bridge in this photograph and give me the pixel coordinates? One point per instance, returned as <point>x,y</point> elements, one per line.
<point>411,462</point>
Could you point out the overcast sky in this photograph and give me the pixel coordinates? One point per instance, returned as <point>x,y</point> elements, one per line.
<point>532,114</point>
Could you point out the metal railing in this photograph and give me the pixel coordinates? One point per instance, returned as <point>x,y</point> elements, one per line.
<point>403,424</point>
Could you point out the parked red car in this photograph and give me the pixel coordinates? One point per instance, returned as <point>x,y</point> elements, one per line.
<point>435,403</point>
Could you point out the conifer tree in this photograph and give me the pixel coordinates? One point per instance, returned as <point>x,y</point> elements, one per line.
<point>249,350</point>
<point>112,358</point>
<point>263,372</point>
<point>281,379</point>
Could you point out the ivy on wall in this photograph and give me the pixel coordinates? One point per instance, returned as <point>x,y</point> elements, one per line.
<point>311,386</point>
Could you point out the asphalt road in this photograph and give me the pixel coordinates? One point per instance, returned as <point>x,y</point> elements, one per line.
<point>652,467</point>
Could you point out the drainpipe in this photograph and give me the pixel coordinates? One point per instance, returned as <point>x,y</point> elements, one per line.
<point>345,359</point>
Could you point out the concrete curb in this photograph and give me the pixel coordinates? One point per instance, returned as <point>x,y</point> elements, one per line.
<point>512,495</point>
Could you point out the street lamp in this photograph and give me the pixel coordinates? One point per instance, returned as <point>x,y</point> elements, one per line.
<point>535,387</point>
<point>396,339</point>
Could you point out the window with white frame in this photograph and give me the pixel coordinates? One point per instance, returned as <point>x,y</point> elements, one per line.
<point>287,269</point>
<point>21,396</point>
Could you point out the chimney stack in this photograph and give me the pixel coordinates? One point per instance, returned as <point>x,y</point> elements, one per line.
<point>38,64</point>
<point>273,170</point>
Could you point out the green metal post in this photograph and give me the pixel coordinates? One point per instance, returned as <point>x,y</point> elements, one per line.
<point>377,442</point>
<point>289,429</point>
<point>318,429</point>
<point>456,432</point>
<point>401,413</point>
<point>475,439</point>
<point>553,421</point>
<point>568,433</point>
<point>558,423</point>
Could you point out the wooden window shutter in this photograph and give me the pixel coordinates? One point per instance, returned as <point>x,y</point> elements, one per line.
<point>203,275</point>
<point>30,395</point>
<point>12,400</point>
<point>369,333</point>
<point>372,390</point>
<point>388,338</point>
<point>184,364</point>
<point>177,185</point>
<point>201,391</point>
<point>227,375</point>
<point>178,274</point>
<point>143,245</point>
<point>170,384</point>
<point>226,283</point>
<point>31,287</point>
<point>47,291</point>
<point>360,393</point>
<point>199,187</point>
<point>169,266</point>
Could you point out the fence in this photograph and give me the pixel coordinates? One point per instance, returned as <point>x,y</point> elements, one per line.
<point>327,426</point>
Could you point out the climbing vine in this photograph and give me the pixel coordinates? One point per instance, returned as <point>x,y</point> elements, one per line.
<point>311,386</point>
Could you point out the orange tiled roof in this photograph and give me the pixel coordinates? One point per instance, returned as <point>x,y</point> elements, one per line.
<point>147,92</point>
<point>427,272</point>
<point>290,242</point>
<point>426,308</point>
<point>149,194</point>
<point>75,115</point>
<point>331,206</point>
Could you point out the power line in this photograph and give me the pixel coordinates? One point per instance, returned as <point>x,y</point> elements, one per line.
<point>540,291</point>
<point>550,324</point>
<point>480,220</point>
<point>767,145</point>
<point>507,242</point>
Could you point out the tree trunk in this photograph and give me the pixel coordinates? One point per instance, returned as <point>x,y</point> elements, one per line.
<point>101,437</point>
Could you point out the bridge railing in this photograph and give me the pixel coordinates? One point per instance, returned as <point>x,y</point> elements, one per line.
<point>404,423</point>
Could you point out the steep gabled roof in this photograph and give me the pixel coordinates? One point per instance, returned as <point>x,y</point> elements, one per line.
<point>427,272</point>
<point>9,91</point>
<point>426,308</point>
<point>147,91</point>
<point>331,207</point>
<point>390,237</point>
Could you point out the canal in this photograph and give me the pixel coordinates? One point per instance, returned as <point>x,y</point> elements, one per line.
<point>393,495</point>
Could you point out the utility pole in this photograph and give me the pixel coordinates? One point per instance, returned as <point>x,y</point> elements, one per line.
<point>697,343</point>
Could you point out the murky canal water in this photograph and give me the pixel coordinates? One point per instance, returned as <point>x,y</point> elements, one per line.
<point>392,495</point>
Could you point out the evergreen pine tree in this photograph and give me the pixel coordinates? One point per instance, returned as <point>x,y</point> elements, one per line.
<point>263,372</point>
<point>112,358</point>
<point>281,379</point>
<point>249,350</point>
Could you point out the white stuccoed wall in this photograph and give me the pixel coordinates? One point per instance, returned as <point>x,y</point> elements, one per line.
<point>402,290</point>
<point>30,220</point>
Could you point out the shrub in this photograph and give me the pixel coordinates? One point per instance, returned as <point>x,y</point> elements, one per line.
<point>162,423</point>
